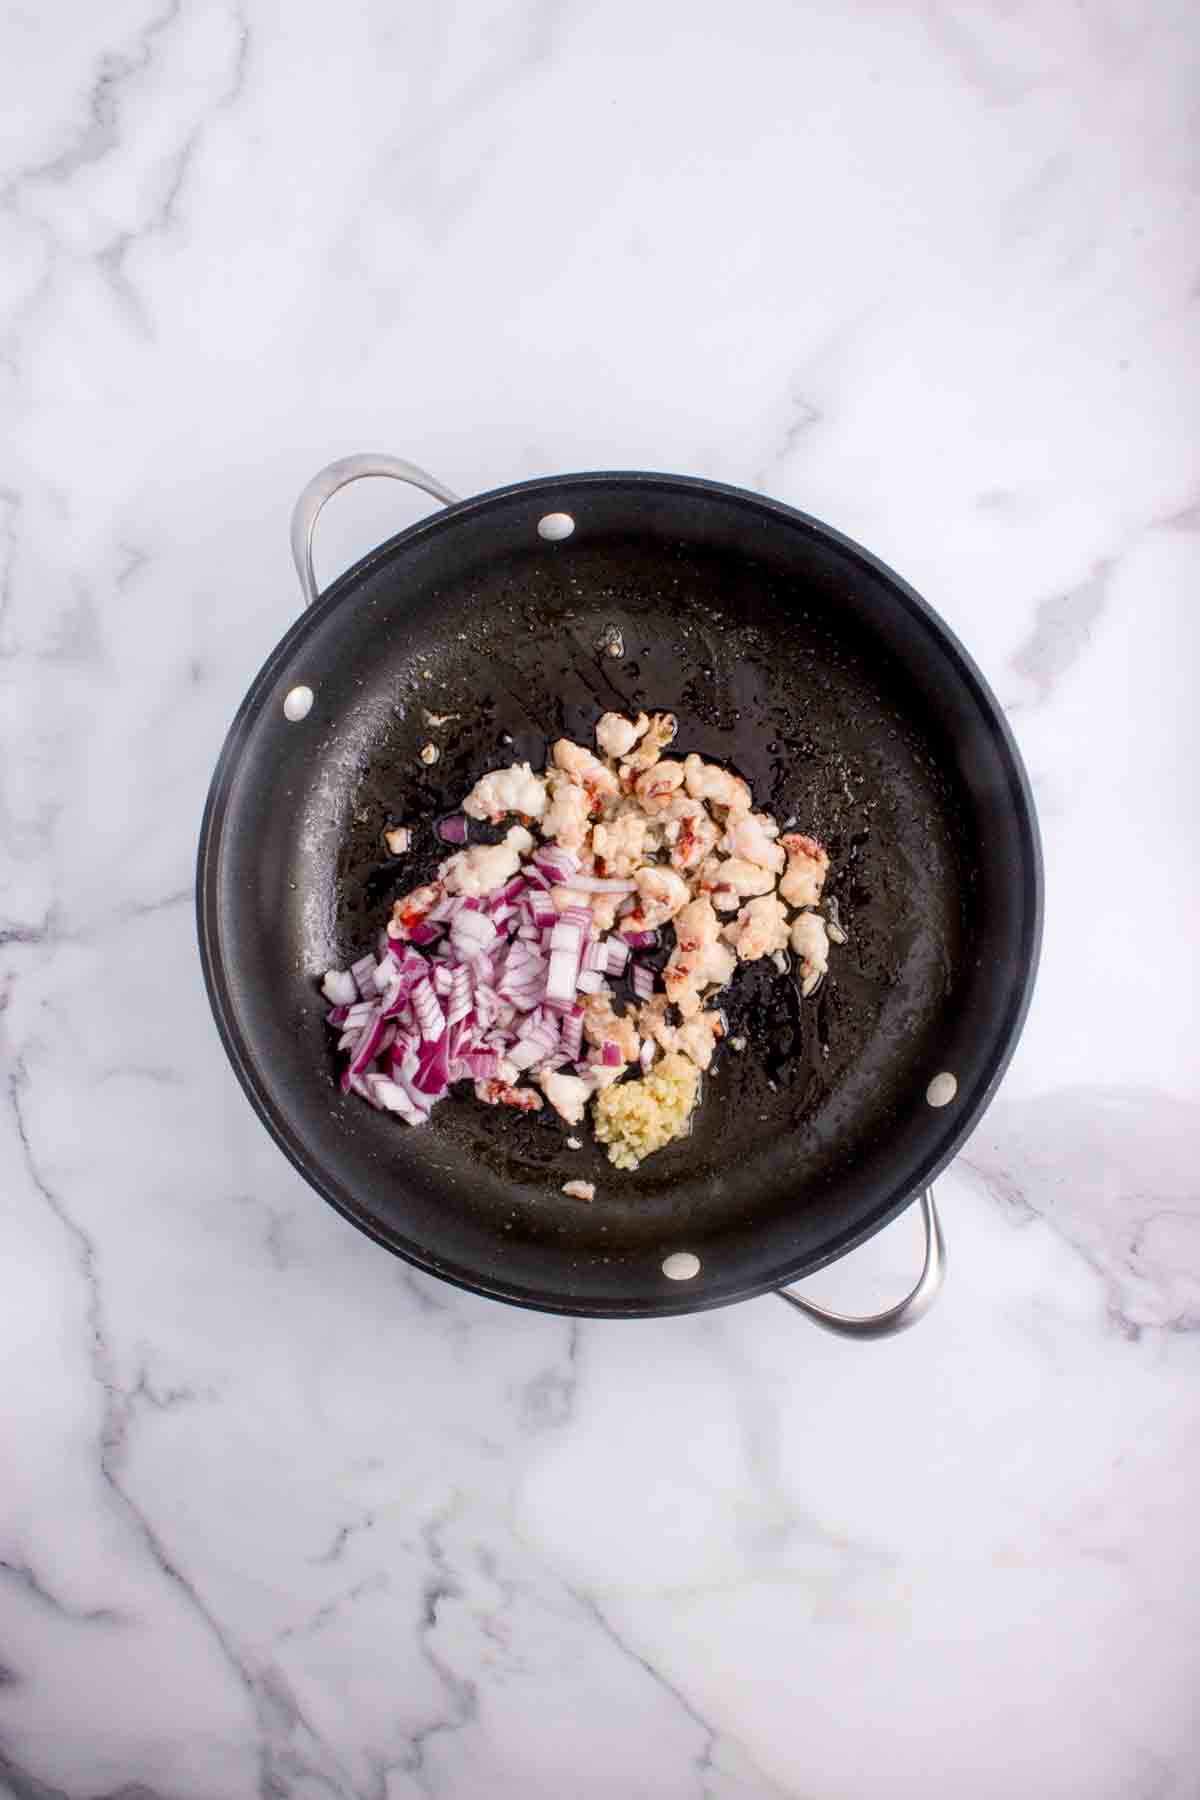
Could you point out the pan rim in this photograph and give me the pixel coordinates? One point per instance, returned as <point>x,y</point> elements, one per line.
<point>967,1113</point>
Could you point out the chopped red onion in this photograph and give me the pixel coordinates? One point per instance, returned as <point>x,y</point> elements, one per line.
<point>336,1015</point>
<point>646,1054</point>
<point>572,1032</point>
<point>431,1021</point>
<point>453,828</point>
<point>618,955</point>
<point>340,988</point>
<point>474,929</point>
<point>363,972</point>
<point>642,977</point>
<point>611,1055</point>
<point>460,997</point>
<point>640,940</point>
<point>590,981</point>
<point>365,1050</point>
<point>595,884</point>
<point>542,909</point>
<point>447,906</point>
<point>557,863</point>
<point>423,932</point>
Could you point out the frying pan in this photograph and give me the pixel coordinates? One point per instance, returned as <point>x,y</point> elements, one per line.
<point>788,653</point>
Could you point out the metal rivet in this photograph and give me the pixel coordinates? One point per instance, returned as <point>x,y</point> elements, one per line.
<point>556,526</point>
<point>681,1265</point>
<point>297,703</point>
<point>942,1089</point>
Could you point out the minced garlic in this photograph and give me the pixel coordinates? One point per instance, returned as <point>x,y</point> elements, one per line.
<point>635,1118</point>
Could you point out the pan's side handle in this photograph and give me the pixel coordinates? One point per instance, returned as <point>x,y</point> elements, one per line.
<point>339,475</point>
<point>906,1312</point>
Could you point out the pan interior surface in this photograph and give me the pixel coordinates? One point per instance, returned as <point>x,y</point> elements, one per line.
<point>787,654</point>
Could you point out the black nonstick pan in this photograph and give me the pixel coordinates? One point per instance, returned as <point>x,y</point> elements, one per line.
<point>788,653</point>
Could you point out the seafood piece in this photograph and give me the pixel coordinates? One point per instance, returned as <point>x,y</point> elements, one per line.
<point>513,790</point>
<point>601,1025</point>
<point>568,815</point>
<point>586,771</point>
<point>661,893</point>
<point>410,909</point>
<point>760,929</point>
<point>696,1037</point>
<point>567,1094</point>
<point>706,781</point>
<point>690,832</point>
<point>580,1190</point>
<point>604,910</point>
<point>807,867</point>
<point>698,959</point>
<point>750,836</point>
<point>619,845</point>
<point>616,735</point>
<point>731,880</point>
<point>810,941</point>
<point>660,733</point>
<point>480,869</point>
<point>499,1093</point>
<point>655,788</point>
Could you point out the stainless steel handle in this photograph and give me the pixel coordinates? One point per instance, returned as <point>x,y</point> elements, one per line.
<point>907,1311</point>
<point>339,475</point>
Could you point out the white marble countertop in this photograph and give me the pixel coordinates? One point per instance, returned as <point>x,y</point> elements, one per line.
<point>279,1517</point>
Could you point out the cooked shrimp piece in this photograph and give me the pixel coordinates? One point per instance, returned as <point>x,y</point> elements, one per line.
<point>697,925</point>
<point>732,880</point>
<point>586,770</point>
<point>660,732</point>
<point>480,869</point>
<point>690,972</point>
<point>807,867</point>
<point>759,929</point>
<point>616,735</point>
<point>604,910</point>
<point>689,831</point>
<point>599,1074</point>
<point>748,837</point>
<point>601,1025</point>
<point>620,845</point>
<point>569,813</point>
<point>810,941</point>
<point>579,1190</point>
<point>705,781</point>
<point>567,1094</point>
<point>655,788</point>
<point>697,959</point>
<point>696,1037</point>
<point>518,839</point>
<point>411,909</point>
<point>513,790</point>
<point>661,893</point>
<point>499,1093</point>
